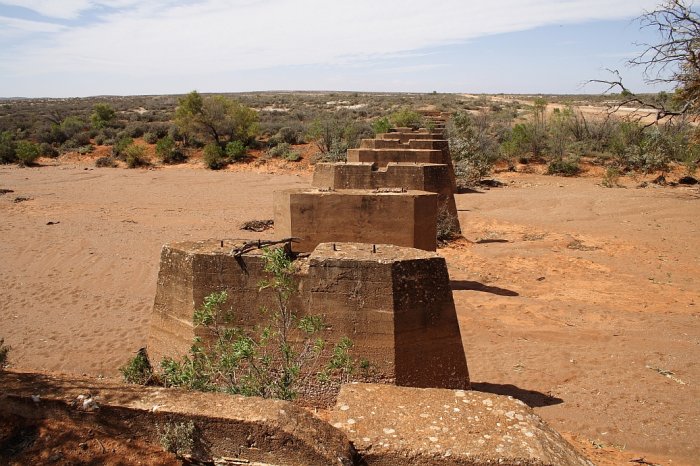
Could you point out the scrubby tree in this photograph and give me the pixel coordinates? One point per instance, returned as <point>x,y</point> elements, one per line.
<point>72,125</point>
<point>473,146</point>
<point>335,134</point>
<point>27,152</point>
<point>216,119</point>
<point>168,151</point>
<point>8,148</point>
<point>102,116</point>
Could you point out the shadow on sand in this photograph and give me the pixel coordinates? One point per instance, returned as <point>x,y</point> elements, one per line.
<point>531,398</point>
<point>461,285</point>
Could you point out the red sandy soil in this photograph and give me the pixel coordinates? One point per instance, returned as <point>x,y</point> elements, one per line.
<point>66,443</point>
<point>579,299</point>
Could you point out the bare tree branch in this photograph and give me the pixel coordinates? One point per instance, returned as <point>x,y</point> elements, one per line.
<point>674,60</point>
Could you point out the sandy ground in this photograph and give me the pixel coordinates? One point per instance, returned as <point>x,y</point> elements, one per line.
<point>588,297</point>
<point>581,300</point>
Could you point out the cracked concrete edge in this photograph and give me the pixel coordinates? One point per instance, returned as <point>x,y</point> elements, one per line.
<point>269,431</point>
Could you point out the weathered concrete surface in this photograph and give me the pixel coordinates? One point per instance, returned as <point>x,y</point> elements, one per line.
<point>315,216</point>
<point>190,271</point>
<point>435,144</point>
<point>253,429</point>
<point>405,135</point>
<point>392,426</point>
<point>384,156</point>
<point>434,178</point>
<point>397,144</point>
<point>394,303</point>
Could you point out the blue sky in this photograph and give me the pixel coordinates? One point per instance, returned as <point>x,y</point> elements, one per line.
<point>62,48</point>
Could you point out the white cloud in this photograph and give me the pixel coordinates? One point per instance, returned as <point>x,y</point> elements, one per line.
<point>64,9</point>
<point>162,38</point>
<point>12,26</point>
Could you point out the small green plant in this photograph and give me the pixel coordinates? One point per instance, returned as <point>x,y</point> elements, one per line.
<point>4,350</point>
<point>690,161</point>
<point>284,151</point>
<point>135,156</point>
<point>341,365</point>
<point>120,145</point>
<point>27,152</point>
<point>106,162</point>
<point>8,148</point>
<point>447,225</point>
<point>290,135</point>
<point>83,150</point>
<point>102,115</point>
<point>214,157</point>
<point>177,437</point>
<point>150,138</point>
<point>275,360</point>
<point>564,167</point>
<point>335,135</point>
<point>406,118</point>
<point>611,178</point>
<point>168,152</point>
<point>47,150</point>
<point>235,150</point>
<point>473,147</point>
<point>138,369</point>
<point>381,125</point>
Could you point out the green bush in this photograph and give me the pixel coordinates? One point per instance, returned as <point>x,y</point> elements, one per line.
<point>135,129</point>
<point>177,438</point>
<point>27,152</point>
<point>406,117</point>
<point>8,148</point>
<point>473,146</point>
<point>81,139</point>
<point>381,125</point>
<point>102,115</point>
<point>150,138</point>
<point>83,150</point>
<point>334,134</point>
<point>447,225</point>
<point>273,361</point>
<point>168,151</point>
<point>290,135</point>
<point>72,125</point>
<point>216,119</point>
<point>106,162</point>
<point>138,369</point>
<point>611,177</point>
<point>284,151</point>
<point>235,150</point>
<point>69,146</point>
<point>135,156</point>
<point>214,156</point>
<point>564,167</point>
<point>120,145</point>
<point>47,150</point>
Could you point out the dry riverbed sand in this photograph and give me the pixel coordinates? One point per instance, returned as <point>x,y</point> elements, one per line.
<point>580,300</point>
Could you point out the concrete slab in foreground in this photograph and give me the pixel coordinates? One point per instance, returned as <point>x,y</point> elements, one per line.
<point>250,429</point>
<point>395,426</point>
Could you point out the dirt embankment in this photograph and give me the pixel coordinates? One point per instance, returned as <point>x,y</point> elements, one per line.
<point>580,300</point>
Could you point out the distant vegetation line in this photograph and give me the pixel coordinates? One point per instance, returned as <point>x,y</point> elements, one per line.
<point>224,128</point>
